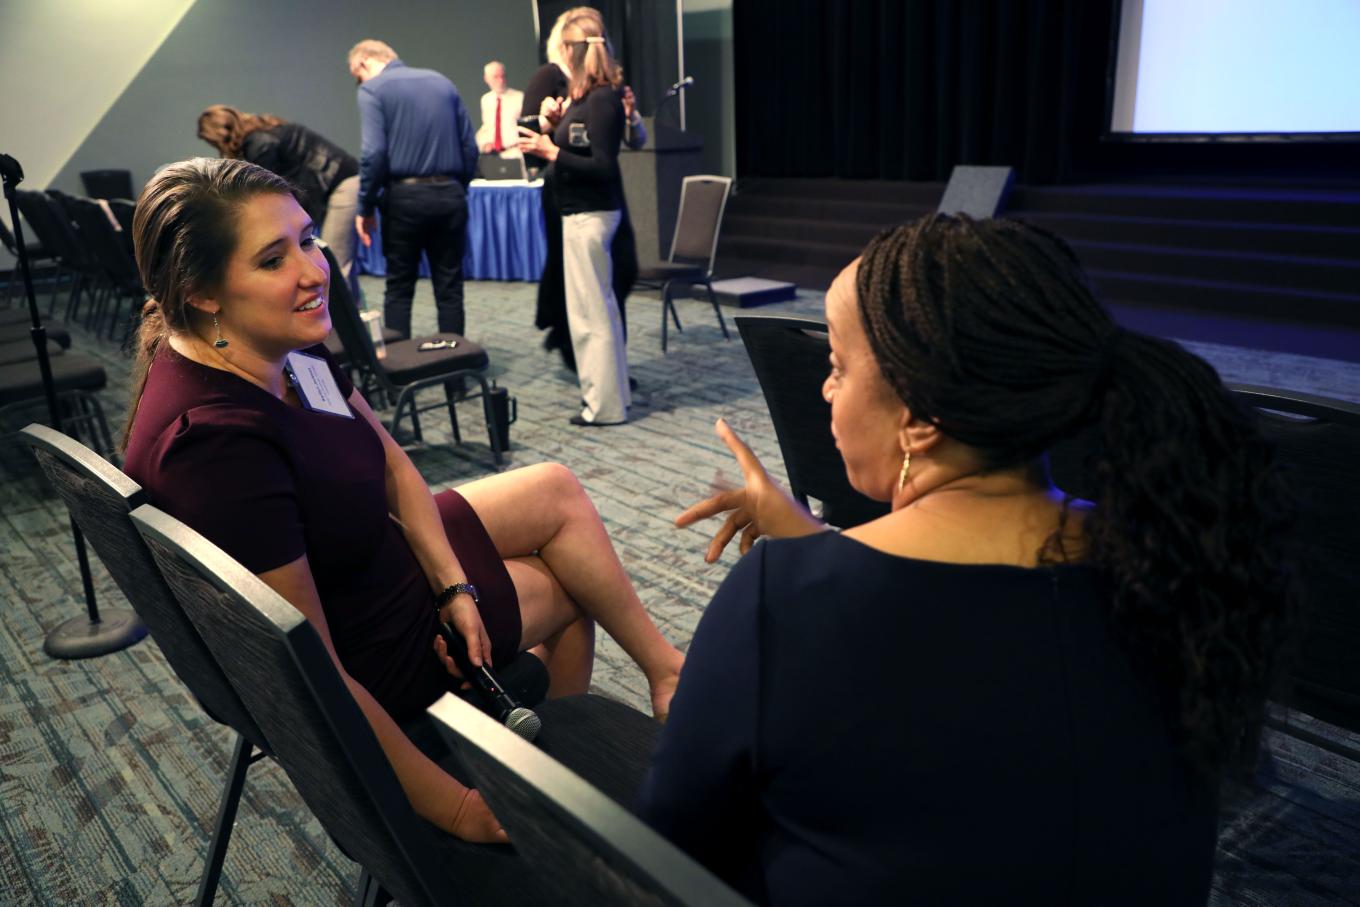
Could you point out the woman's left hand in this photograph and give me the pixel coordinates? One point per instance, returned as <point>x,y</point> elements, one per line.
<point>467,620</point>
<point>537,143</point>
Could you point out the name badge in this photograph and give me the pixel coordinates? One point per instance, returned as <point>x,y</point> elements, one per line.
<point>315,384</point>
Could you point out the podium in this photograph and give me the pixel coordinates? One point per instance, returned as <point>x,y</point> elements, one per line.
<point>651,184</point>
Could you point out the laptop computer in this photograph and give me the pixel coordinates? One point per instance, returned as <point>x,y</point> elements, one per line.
<point>495,167</point>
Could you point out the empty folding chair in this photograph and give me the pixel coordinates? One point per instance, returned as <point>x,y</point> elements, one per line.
<point>693,247</point>
<point>789,357</point>
<point>406,368</point>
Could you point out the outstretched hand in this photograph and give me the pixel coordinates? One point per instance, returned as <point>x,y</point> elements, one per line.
<point>760,507</point>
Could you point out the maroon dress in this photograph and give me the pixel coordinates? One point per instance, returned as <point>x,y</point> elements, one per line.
<point>269,482</point>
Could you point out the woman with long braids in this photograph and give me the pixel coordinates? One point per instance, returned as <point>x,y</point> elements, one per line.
<point>995,693</point>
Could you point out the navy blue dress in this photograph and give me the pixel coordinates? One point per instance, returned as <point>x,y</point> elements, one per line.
<point>853,727</point>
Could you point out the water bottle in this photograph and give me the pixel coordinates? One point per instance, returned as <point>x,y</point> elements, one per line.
<point>373,321</point>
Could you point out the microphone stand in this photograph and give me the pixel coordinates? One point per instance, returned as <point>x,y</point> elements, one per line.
<point>79,637</point>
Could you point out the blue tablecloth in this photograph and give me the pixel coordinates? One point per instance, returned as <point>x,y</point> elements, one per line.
<point>505,238</point>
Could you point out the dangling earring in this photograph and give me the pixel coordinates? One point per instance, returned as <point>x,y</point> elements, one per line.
<point>906,465</point>
<point>221,342</point>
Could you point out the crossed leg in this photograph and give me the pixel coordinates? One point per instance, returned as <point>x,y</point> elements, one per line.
<point>568,578</point>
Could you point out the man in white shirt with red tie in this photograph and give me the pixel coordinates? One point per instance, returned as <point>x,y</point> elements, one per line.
<point>500,111</point>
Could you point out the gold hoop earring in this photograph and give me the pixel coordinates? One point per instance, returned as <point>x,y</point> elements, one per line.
<point>221,342</point>
<point>906,466</point>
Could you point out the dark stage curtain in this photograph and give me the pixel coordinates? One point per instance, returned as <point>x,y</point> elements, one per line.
<point>906,89</point>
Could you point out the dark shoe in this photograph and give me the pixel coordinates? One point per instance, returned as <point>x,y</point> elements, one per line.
<point>582,420</point>
<point>632,383</point>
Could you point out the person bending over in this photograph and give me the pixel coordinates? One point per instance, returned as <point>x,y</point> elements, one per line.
<point>995,693</point>
<point>327,509</point>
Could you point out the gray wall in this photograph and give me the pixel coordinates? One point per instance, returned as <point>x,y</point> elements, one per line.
<point>708,57</point>
<point>288,59</point>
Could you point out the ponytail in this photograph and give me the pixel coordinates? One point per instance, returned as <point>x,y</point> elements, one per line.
<point>151,330</point>
<point>1188,526</point>
<point>591,61</point>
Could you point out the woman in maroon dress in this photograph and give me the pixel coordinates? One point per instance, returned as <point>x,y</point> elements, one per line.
<point>324,506</point>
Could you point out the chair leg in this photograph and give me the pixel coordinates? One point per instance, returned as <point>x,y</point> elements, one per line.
<point>226,817</point>
<point>492,429</point>
<point>402,399</point>
<point>370,893</point>
<point>450,392</point>
<point>713,298</point>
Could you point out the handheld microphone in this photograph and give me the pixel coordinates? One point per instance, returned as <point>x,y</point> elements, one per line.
<point>680,86</point>
<point>524,722</point>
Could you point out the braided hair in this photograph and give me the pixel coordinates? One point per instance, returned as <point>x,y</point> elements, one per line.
<point>991,331</point>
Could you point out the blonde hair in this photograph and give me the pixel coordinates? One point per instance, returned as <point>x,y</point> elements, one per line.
<point>592,65</point>
<point>225,128</point>
<point>371,49</point>
<point>554,47</point>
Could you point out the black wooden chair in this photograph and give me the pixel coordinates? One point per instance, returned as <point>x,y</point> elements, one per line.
<point>37,257</point>
<point>693,247</point>
<point>277,663</point>
<point>107,183</point>
<point>405,369</point>
<point>1317,443</point>
<point>100,498</point>
<point>103,237</point>
<point>790,360</point>
<point>76,379</point>
<point>591,848</point>
<point>52,228</point>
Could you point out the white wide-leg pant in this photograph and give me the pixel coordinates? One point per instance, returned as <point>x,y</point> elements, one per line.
<point>593,314</point>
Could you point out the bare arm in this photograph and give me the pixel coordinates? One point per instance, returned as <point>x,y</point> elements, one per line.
<point>413,507</point>
<point>434,794</point>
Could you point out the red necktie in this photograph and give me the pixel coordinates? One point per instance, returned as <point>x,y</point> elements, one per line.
<point>497,145</point>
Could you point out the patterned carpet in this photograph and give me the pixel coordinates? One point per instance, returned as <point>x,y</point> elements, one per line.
<point>110,774</point>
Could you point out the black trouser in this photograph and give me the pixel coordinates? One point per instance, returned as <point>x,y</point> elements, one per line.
<point>429,218</point>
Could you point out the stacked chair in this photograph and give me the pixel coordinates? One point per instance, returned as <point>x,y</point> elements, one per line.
<point>88,245</point>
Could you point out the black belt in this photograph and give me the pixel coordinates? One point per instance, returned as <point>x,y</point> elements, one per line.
<point>422,180</point>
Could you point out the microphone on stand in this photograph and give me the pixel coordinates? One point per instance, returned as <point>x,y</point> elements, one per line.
<point>678,87</point>
<point>673,92</point>
<point>524,722</point>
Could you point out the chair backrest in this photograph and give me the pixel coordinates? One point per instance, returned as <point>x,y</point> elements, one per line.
<point>790,360</point>
<point>979,192</point>
<point>592,850</point>
<point>100,498</point>
<point>350,328</point>
<point>123,209</point>
<point>104,241</point>
<point>282,671</point>
<point>107,183</point>
<point>51,227</point>
<point>702,201</point>
<point>1317,444</point>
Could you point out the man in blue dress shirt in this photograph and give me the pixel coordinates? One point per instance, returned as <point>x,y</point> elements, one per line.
<point>416,158</point>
